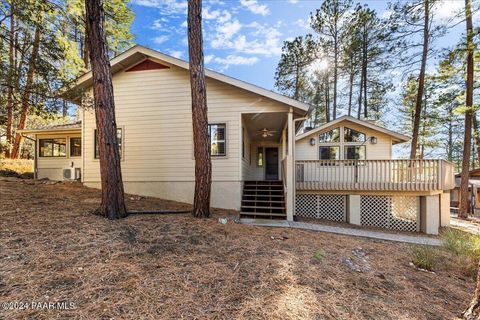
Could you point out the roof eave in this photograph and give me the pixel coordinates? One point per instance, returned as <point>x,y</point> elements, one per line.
<point>400,138</point>
<point>46,131</point>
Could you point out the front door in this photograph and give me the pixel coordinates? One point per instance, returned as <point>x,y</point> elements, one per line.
<point>271,163</point>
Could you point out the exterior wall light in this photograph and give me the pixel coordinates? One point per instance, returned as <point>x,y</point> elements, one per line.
<point>373,140</point>
<point>312,141</point>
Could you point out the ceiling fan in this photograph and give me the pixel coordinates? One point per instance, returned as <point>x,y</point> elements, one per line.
<point>265,133</point>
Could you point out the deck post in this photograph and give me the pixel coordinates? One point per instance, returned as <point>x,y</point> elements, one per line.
<point>445,209</point>
<point>430,214</point>
<point>353,209</point>
<point>290,201</point>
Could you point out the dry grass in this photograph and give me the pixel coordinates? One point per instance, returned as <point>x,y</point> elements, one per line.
<point>169,267</point>
<point>16,167</point>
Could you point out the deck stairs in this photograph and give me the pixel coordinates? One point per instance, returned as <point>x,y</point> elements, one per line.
<point>263,199</point>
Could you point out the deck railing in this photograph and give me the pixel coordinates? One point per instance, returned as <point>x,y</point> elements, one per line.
<point>377,175</point>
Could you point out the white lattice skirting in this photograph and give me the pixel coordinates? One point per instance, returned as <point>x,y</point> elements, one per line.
<point>390,212</point>
<point>327,207</point>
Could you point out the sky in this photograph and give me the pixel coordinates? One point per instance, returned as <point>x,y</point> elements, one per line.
<point>243,38</point>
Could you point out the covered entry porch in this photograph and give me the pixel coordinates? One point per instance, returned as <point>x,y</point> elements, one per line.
<point>267,164</point>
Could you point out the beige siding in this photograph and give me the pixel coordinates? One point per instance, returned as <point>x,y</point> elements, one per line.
<point>154,109</point>
<point>52,168</point>
<point>381,150</point>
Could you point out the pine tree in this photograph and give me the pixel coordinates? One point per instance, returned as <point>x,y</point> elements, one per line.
<point>201,147</point>
<point>330,23</point>
<point>113,202</point>
<point>292,70</point>
<point>469,113</point>
<point>32,84</point>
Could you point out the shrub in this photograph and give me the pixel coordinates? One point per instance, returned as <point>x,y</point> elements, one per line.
<point>461,243</point>
<point>465,247</point>
<point>423,256</point>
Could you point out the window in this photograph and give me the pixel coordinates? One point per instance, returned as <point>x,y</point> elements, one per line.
<point>53,147</point>
<point>329,153</point>
<point>119,140</point>
<point>75,147</point>
<point>330,136</point>
<point>354,152</point>
<point>353,135</point>
<point>217,136</point>
<point>260,157</point>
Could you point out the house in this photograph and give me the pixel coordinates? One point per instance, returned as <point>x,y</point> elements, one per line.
<point>340,171</point>
<point>473,191</point>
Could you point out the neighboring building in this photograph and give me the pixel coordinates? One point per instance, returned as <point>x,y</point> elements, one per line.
<point>473,191</point>
<point>256,154</point>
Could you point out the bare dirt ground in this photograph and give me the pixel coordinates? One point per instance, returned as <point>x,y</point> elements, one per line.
<point>168,267</point>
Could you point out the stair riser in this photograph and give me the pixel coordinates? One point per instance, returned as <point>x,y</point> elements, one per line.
<point>263,199</point>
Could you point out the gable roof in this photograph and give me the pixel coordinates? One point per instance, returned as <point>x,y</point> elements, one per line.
<point>397,137</point>
<point>138,54</point>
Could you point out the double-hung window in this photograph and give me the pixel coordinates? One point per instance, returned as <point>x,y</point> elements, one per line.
<point>218,141</point>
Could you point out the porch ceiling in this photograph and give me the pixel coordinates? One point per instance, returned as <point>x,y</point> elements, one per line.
<point>255,122</point>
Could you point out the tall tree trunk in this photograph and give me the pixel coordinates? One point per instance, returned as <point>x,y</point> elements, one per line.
<point>28,89</point>
<point>113,203</point>
<point>86,46</point>
<point>450,134</point>
<point>464,202</point>
<point>364,70</point>
<point>327,97</point>
<point>335,74</point>
<point>297,82</point>
<point>11,71</point>
<point>421,82</point>
<point>201,146</point>
<point>476,132</point>
<point>350,91</point>
<point>359,110</point>
<point>473,310</point>
<point>64,109</point>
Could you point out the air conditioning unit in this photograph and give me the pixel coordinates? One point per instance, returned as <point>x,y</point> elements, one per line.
<point>71,173</point>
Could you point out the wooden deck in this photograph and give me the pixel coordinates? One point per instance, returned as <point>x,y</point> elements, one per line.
<point>374,175</point>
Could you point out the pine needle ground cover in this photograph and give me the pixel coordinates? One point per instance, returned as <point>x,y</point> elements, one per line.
<point>52,248</point>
